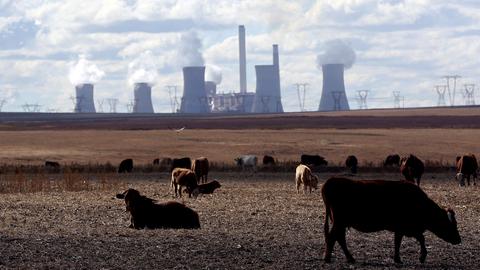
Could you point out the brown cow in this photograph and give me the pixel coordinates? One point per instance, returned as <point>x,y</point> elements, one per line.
<point>466,166</point>
<point>303,175</point>
<point>200,166</point>
<point>184,177</point>
<point>207,188</point>
<point>412,168</point>
<point>376,205</point>
<point>146,213</point>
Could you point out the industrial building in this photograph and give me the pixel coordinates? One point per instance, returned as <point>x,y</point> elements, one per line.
<point>142,98</point>
<point>333,96</point>
<point>194,99</point>
<point>84,102</point>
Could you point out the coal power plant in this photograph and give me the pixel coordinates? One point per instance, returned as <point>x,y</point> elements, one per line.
<point>84,98</point>
<point>333,96</point>
<point>194,98</point>
<point>142,98</point>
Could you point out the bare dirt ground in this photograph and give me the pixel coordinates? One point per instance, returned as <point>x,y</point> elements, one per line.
<point>255,221</point>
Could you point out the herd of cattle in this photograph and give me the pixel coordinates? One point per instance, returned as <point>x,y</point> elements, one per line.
<point>345,200</point>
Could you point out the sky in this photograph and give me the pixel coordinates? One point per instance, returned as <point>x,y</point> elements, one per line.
<point>399,45</point>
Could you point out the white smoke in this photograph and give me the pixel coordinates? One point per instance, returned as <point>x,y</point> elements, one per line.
<point>336,52</point>
<point>84,71</point>
<point>189,50</point>
<point>143,69</point>
<point>213,73</point>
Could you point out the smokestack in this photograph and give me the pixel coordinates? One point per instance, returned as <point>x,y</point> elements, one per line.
<point>194,98</point>
<point>333,94</point>
<point>243,59</point>
<point>142,98</point>
<point>84,98</point>
<point>275,57</point>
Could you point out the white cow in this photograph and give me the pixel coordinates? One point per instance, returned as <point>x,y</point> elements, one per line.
<point>247,161</point>
<point>303,175</point>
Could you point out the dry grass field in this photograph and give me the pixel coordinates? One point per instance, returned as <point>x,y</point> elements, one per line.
<point>253,222</point>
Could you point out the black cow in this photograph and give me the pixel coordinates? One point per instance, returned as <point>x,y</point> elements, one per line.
<point>352,163</point>
<point>392,160</point>
<point>126,166</point>
<point>268,161</point>
<point>313,160</point>
<point>185,163</point>
<point>52,164</point>
<point>156,161</point>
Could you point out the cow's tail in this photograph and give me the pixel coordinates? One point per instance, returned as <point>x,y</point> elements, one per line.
<point>328,216</point>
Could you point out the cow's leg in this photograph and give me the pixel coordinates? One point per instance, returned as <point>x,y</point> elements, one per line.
<point>180,190</point>
<point>398,242</point>
<point>175,187</point>
<point>329,243</point>
<point>340,236</point>
<point>297,182</point>
<point>468,179</point>
<point>423,249</point>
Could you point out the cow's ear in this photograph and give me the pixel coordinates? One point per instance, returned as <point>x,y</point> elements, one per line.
<point>451,216</point>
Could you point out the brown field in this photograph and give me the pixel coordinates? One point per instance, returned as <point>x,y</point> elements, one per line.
<point>252,222</point>
<point>255,221</point>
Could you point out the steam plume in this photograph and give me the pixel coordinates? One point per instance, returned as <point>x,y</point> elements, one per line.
<point>336,52</point>
<point>189,50</point>
<point>84,71</point>
<point>213,73</point>
<point>143,69</point>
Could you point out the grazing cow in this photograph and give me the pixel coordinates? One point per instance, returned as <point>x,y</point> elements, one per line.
<point>145,213</point>
<point>156,161</point>
<point>200,166</point>
<point>303,175</point>
<point>412,168</point>
<point>185,163</point>
<point>126,166</point>
<point>184,177</point>
<point>392,160</point>
<point>376,205</point>
<point>268,161</point>
<point>313,160</point>
<point>466,166</point>
<point>247,161</point>
<point>352,163</point>
<point>207,188</point>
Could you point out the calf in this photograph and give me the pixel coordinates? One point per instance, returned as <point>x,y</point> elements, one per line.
<point>466,166</point>
<point>145,213</point>
<point>351,163</point>
<point>184,177</point>
<point>412,168</point>
<point>375,205</point>
<point>207,188</point>
<point>303,175</point>
<point>201,166</point>
<point>126,166</point>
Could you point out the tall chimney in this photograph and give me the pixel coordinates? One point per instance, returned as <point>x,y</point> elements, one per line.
<point>84,98</point>
<point>275,56</point>
<point>194,99</point>
<point>243,59</point>
<point>142,98</point>
<point>333,93</point>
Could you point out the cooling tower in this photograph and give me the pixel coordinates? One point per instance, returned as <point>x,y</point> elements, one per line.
<point>267,97</point>
<point>333,97</point>
<point>142,98</point>
<point>243,59</point>
<point>84,98</point>
<point>194,98</point>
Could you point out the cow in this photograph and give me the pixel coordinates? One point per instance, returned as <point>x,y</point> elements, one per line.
<point>146,213</point>
<point>392,160</point>
<point>52,164</point>
<point>268,161</point>
<point>303,175</point>
<point>156,161</point>
<point>412,168</point>
<point>352,163</point>
<point>207,188</point>
<point>200,166</point>
<point>376,205</point>
<point>184,177</point>
<point>312,160</point>
<point>466,166</point>
<point>185,163</point>
<point>126,166</point>
<point>247,161</point>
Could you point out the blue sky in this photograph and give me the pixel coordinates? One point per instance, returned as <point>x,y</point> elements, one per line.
<point>400,45</point>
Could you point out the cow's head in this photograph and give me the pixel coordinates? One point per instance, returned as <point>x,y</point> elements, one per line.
<point>314,181</point>
<point>239,161</point>
<point>446,227</point>
<point>216,184</point>
<point>460,179</point>
<point>133,199</point>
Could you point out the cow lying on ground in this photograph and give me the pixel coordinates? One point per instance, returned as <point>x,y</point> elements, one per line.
<point>412,168</point>
<point>145,213</point>
<point>466,166</point>
<point>186,178</point>
<point>303,175</point>
<point>375,205</point>
<point>200,166</point>
<point>312,160</point>
<point>207,188</point>
<point>247,161</point>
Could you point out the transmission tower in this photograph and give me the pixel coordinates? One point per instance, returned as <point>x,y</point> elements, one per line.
<point>452,90</point>
<point>3,101</point>
<point>100,103</point>
<point>172,92</point>
<point>362,99</point>
<point>337,96</point>
<point>130,105</point>
<point>31,107</point>
<point>301,93</point>
<point>112,103</point>
<point>441,89</point>
<point>265,100</point>
<point>469,94</point>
